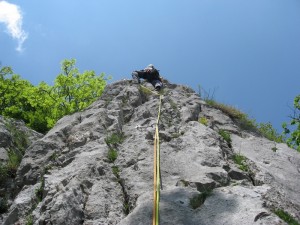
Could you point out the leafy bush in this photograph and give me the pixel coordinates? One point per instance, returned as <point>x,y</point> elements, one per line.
<point>267,130</point>
<point>42,105</point>
<point>293,139</point>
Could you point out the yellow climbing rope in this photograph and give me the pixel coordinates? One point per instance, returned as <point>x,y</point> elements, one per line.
<point>156,170</point>
<point>156,164</point>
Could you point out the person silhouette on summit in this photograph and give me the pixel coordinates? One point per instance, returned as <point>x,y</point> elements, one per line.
<point>151,74</point>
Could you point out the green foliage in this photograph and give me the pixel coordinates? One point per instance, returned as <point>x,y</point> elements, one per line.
<point>114,139</point>
<point>245,123</point>
<point>116,171</point>
<point>126,208</point>
<point>226,136</point>
<point>286,217</point>
<point>203,120</point>
<point>241,118</point>
<point>29,220</point>
<point>112,155</point>
<point>42,105</point>
<point>13,102</point>
<point>294,135</point>
<point>3,172</point>
<point>39,192</point>
<point>267,130</point>
<point>14,160</point>
<point>199,199</point>
<point>241,161</point>
<point>146,91</point>
<point>54,156</point>
<point>9,169</point>
<point>176,135</point>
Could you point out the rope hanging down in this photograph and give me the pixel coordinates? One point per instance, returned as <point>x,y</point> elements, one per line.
<point>156,172</point>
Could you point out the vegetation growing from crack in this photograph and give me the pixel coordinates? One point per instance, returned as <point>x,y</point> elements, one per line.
<point>286,217</point>
<point>199,199</point>
<point>116,171</point>
<point>39,192</point>
<point>127,206</point>
<point>112,142</point>
<point>54,156</point>
<point>176,135</point>
<point>240,160</point>
<point>112,155</point>
<point>226,136</point>
<point>245,122</point>
<point>115,139</point>
<point>203,120</point>
<point>29,220</point>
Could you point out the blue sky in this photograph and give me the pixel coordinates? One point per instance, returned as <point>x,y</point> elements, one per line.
<point>245,52</point>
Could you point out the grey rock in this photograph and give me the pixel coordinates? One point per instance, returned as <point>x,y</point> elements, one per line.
<point>82,185</point>
<point>6,138</point>
<point>15,138</point>
<point>3,155</point>
<point>280,173</point>
<point>218,120</point>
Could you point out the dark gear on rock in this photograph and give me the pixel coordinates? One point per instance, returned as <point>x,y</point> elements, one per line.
<point>151,74</point>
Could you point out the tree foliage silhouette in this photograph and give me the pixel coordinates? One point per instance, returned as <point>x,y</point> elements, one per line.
<point>42,105</point>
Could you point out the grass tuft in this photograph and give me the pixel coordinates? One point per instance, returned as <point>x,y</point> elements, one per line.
<point>245,123</point>
<point>115,138</point>
<point>226,136</point>
<point>286,217</point>
<point>203,120</point>
<point>112,155</point>
<point>241,161</point>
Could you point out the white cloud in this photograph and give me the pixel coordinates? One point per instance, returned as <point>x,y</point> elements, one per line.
<point>11,16</point>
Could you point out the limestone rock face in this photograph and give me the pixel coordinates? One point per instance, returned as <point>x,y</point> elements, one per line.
<point>15,138</point>
<point>13,135</point>
<point>96,166</point>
